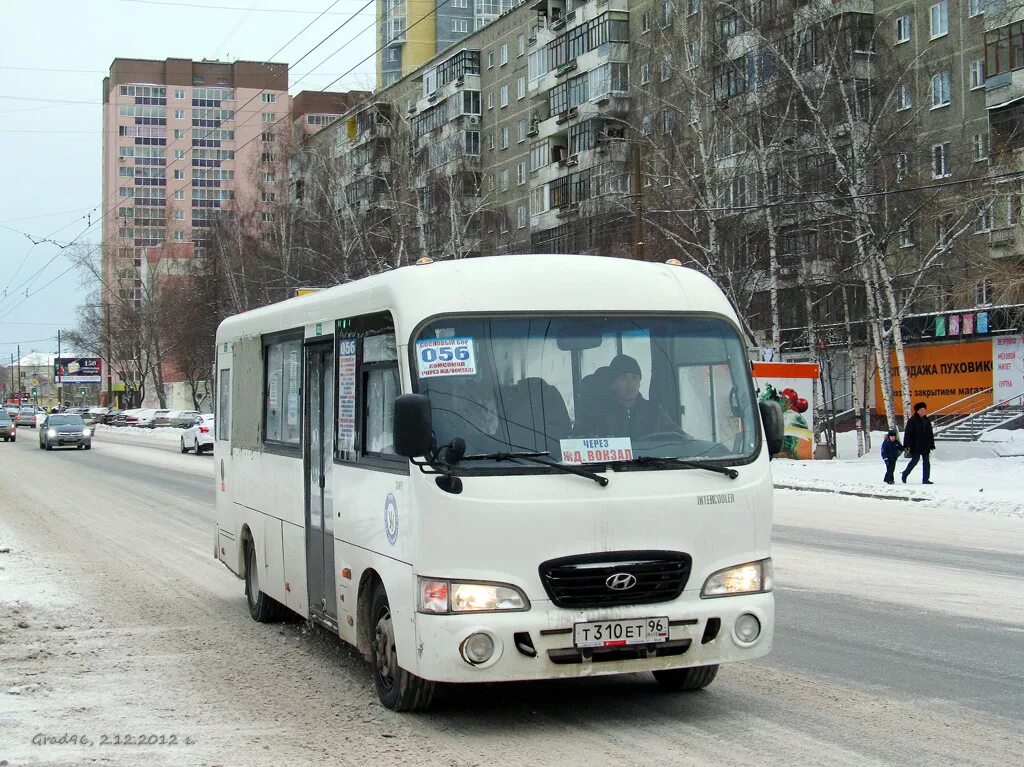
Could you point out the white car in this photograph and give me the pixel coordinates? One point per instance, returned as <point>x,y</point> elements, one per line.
<point>146,418</point>
<point>198,437</point>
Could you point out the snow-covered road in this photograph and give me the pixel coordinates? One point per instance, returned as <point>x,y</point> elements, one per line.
<point>899,642</point>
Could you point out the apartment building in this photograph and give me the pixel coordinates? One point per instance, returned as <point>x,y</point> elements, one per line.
<point>411,32</point>
<point>184,142</point>
<point>763,142</point>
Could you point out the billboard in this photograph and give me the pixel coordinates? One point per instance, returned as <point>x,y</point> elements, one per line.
<point>77,370</point>
<point>943,374</point>
<point>791,384</point>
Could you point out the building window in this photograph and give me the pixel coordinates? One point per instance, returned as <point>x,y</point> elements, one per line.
<point>668,120</point>
<point>490,59</point>
<point>975,8</point>
<point>521,173</point>
<point>269,98</point>
<point>268,197</point>
<point>645,22</point>
<point>179,133</point>
<point>282,384</point>
<point>521,45</point>
<point>503,51</point>
<point>521,88</point>
<point>692,6</point>
<point>522,132</point>
<point>504,138</point>
<point>906,235</point>
<point>521,217</point>
<point>460,26</point>
<point>268,137</point>
<point>179,114</point>
<point>980,147</point>
<point>179,93</point>
<point>179,236</point>
<point>179,215</point>
<point>503,97</point>
<point>902,165</point>
<point>504,180</point>
<point>939,19</point>
<point>668,13</point>
<point>903,26</point>
<point>268,117</point>
<point>940,160</point>
<point>977,74</point>
<point>391,55</point>
<point>460,3</point>
<point>179,154</point>
<point>179,194</point>
<point>645,74</point>
<point>490,100</point>
<point>666,68</point>
<point>940,90</point>
<point>179,175</point>
<point>490,141</point>
<point>267,217</point>
<point>647,125</point>
<point>269,177</point>
<point>984,218</point>
<point>903,97</point>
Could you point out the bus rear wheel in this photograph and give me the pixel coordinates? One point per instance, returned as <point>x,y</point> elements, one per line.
<point>687,679</point>
<point>262,608</point>
<point>396,688</point>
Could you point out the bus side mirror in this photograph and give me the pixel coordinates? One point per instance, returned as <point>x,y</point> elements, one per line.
<point>774,425</point>
<point>413,432</point>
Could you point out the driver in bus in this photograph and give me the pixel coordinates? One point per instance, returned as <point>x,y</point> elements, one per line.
<point>626,413</point>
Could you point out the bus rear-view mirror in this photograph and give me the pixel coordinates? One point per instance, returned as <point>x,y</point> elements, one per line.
<point>412,425</point>
<point>774,425</point>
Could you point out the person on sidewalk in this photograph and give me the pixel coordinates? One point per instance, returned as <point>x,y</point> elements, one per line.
<point>919,441</point>
<point>891,450</point>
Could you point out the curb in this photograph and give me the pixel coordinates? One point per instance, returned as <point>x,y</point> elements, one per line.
<point>853,493</point>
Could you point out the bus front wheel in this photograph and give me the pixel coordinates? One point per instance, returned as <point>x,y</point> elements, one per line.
<point>262,608</point>
<point>687,679</point>
<point>397,688</point>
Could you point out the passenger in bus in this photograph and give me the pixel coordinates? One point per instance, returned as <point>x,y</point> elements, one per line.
<point>625,413</point>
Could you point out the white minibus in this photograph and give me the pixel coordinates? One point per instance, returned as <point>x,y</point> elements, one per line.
<point>504,468</point>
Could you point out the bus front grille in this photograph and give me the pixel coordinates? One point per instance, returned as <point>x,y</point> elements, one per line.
<point>616,578</point>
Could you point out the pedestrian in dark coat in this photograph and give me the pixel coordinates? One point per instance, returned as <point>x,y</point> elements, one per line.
<point>891,450</point>
<point>919,441</point>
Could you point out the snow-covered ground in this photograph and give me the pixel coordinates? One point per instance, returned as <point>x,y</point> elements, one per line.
<point>975,476</point>
<point>164,433</point>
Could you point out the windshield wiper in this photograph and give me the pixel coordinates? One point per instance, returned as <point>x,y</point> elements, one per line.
<point>538,457</point>
<point>668,461</point>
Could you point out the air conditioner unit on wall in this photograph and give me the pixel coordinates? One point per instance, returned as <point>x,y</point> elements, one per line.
<point>474,120</point>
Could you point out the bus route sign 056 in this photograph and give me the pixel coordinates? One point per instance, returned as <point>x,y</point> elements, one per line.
<point>445,357</point>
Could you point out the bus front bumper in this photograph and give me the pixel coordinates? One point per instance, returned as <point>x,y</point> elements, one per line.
<point>539,643</point>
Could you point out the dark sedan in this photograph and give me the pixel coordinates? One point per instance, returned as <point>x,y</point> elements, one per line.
<point>64,431</point>
<point>8,431</point>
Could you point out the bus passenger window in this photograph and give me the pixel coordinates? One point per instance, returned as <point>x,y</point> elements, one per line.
<point>281,407</point>
<point>380,388</point>
<point>222,422</point>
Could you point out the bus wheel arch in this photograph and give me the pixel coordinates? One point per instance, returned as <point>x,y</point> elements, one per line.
<point>245,539</point>
<point>396,688</point>
<point>368,582</point>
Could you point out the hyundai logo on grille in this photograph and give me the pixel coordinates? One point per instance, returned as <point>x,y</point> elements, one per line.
<point>620,581</point>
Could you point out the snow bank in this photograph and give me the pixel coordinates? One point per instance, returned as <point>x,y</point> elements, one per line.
<point>973,476</point>
<point>161,434</point>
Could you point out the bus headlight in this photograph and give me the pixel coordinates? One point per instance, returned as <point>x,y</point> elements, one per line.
<point>442,596</point>
<point>749,578</point>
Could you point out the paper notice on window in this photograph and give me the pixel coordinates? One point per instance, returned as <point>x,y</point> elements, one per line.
<point>347,395</point>
<point>437,357</point>
<point>596,450</point>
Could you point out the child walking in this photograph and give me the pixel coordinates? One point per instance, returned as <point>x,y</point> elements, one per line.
<point>891,450</point>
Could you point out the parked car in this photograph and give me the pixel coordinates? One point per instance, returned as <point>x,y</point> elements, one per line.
<point>129,417</point>
<point>99,413</point>
<point>184,418</point>
<point>144,418</point>
<point>163,418</point>
<point>199,436</point>
<point>26,416</point>
<point>112,415</point>
<point>12,408</point>
<point>8,430</point>
<point>64,430</point>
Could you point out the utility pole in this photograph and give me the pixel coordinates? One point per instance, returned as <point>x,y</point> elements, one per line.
<point>19,374</point>
<point>60,374</point>
<point>110,384</point>
<point>638,206</point>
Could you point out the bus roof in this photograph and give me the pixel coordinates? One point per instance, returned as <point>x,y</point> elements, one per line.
<point>513,283</point>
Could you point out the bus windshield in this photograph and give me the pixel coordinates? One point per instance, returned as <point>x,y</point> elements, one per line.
<point>589,389</point>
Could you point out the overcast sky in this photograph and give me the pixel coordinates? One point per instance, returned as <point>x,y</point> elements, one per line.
<point>52,63</point>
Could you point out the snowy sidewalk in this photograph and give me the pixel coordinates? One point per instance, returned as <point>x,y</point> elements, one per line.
<point>968,476</point>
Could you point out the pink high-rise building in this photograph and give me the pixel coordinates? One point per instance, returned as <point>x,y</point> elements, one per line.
<point>184,142</point>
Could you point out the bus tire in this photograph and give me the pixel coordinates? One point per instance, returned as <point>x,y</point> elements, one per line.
<point>262,608</point>
<point>396,688</point>
<point>687,679</point>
